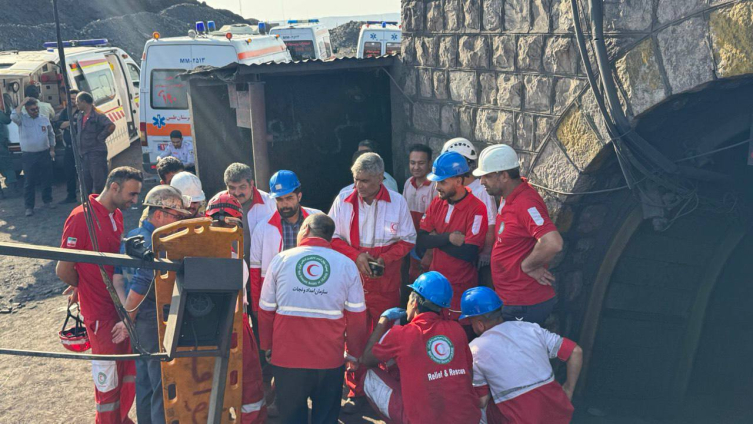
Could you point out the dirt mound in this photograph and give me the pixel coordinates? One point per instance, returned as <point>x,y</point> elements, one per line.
<point>24,37</point>
<point>131,32</point>
<point>194,12</point>
<point>345,38</point>
<point>27,24</point>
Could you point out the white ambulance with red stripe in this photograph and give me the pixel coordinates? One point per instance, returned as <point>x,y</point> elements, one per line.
<point>165,105</point>
<point>109,74</point>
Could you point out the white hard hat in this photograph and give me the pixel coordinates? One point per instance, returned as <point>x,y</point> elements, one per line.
<point>190,185</point>
<point>499,157</point>
<point>462,146</point>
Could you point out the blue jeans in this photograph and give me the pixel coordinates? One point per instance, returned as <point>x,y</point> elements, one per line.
<point>536,314</point>
<point>149,402</point>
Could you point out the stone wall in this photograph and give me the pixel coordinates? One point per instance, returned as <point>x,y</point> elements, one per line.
<point>509,71</point>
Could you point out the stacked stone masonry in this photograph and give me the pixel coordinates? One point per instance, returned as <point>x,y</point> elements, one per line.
<point>509,71</point>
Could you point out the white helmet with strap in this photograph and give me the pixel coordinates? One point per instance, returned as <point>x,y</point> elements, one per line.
<point>461,145</point>
<point>496,158</point>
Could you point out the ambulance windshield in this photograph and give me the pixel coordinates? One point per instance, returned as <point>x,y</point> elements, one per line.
<point>301,49</point>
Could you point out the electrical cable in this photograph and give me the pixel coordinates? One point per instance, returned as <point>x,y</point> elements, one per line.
<point>86,206</point>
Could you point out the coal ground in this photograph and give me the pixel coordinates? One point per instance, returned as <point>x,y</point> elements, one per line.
<point>26,25</point>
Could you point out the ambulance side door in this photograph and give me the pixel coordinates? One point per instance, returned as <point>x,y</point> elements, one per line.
<point>98,79</point>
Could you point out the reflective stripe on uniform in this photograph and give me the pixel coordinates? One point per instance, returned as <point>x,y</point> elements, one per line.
<point>108,407</point>
<point>331,312</point>
<point>267,304</point>
<point>248,408</point>
<point>355,305</point>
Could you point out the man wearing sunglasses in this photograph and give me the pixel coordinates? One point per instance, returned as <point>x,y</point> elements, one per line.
<point>37,142</point>
<point>164,205</point>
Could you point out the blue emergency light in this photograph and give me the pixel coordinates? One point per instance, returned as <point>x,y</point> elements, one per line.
<point>382,23</point>
<point>303,21</point>
<point>211,26</point>
<point>200,27</point>
<point>262,28</point>
<point>96,42</point>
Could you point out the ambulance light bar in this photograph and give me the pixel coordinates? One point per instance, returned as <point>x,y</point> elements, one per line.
<point>200,27</point>
<point>96,42</point>
<point>303,21</point>
<point>382,23</point>
<point>211,26</point>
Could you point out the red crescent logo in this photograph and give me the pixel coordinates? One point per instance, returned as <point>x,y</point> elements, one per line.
<point>308,269</point>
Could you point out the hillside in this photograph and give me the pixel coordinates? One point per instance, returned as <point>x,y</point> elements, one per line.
<point>27,24</point>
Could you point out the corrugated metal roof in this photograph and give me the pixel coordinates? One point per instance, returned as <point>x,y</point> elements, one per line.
<point>234,71</point>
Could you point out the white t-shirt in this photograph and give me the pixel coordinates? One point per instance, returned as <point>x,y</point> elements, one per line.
<point>491,205</point>
<point>513,358</point>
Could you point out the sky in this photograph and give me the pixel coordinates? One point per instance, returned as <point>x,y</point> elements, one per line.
<point>302,9</point>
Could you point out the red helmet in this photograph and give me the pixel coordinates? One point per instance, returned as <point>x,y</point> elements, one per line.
<point>75,338</point>
<point>225,204</point>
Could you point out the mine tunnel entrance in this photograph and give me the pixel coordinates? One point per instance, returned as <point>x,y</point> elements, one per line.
<point>674,339</point>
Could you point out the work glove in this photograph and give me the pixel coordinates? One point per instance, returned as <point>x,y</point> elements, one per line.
<point>394,314</point>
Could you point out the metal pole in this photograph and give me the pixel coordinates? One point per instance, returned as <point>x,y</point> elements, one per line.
<point>72,255</point>
<point>82,356</point>
<point>219,378</point>
<point>259,134</point>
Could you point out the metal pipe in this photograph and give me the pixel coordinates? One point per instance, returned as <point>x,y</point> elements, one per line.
<point>81,356</point>
<point>73,255</point>
<point>259,135</point>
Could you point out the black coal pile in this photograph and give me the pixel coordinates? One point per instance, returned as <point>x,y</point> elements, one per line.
<point>345,38</point>
<point>27,24</point>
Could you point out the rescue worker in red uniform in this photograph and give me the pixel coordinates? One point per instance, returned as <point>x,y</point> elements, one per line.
<point>511,365</point>
<point>468,151</point>
<point>114,389</point>
<point>454,226</point>
<point>311,303</point>
<point>226,210</point>
<point>373,227</point>
<point>418,191</point>
<point>276,232</point>
<point>432,356</point>
<point>527,240</point>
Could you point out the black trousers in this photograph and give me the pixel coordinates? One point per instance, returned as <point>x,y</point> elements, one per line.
<point>37,168</point>
<point>95,171</point>
<point>296,385</point>
<point>536,314</point>
<point>69,166</point>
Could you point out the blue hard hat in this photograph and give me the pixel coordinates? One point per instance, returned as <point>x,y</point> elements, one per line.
<point>283,182</point>
<point>448,164</point>
<point>479,301</point>
<point>433,287</point>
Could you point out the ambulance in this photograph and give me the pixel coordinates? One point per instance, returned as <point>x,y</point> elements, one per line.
<point>165,106</point>
<point>306,39</point>
<point>108,73</point>
<point>379,39</point>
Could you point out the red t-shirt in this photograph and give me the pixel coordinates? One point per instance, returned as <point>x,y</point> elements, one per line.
<point>94,298</point>
<point>436,369</point>
<point>521,222</point>
<point>469,217</point>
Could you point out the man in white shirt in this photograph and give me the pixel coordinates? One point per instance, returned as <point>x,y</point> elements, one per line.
<point>511,364</point>
<point>183,150</point>
<point>373,227</point>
